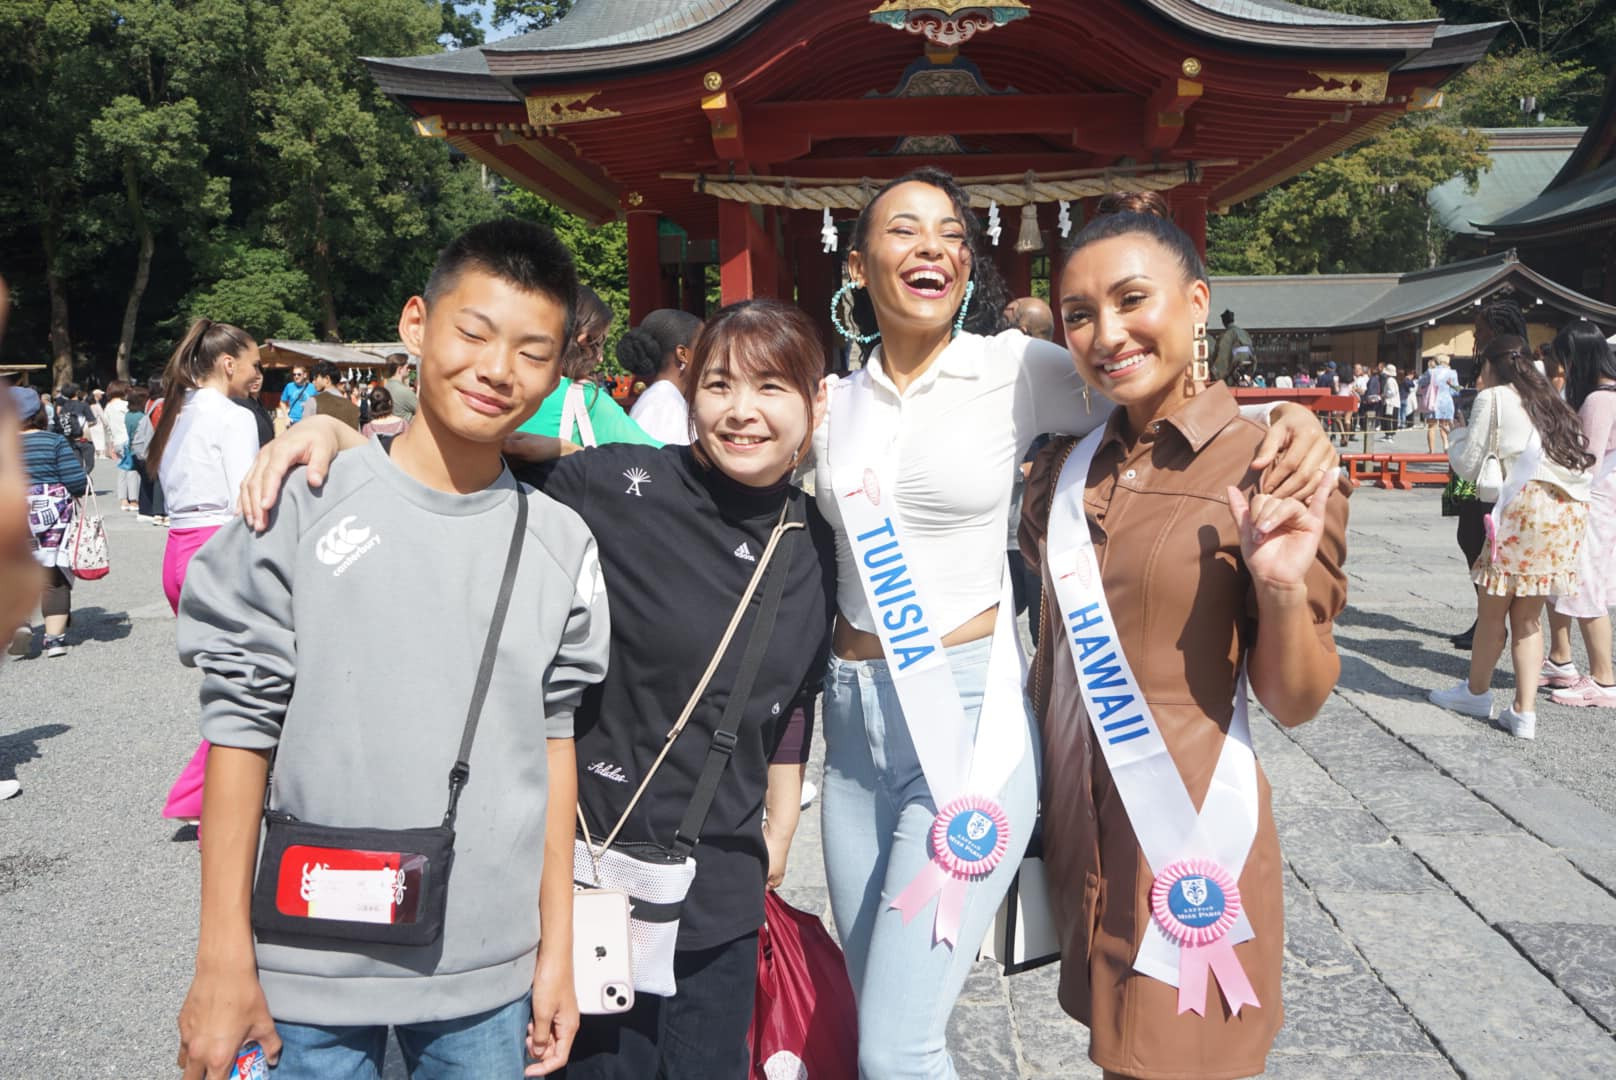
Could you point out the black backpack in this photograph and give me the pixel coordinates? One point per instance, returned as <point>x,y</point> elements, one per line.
<point>70,421</point>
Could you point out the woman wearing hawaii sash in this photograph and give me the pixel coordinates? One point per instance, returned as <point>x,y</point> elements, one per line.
<point>1172,580</point>
<point>930,779</point>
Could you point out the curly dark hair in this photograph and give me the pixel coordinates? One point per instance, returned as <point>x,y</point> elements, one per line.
<point>1508,360</point>
<point>986,310</point>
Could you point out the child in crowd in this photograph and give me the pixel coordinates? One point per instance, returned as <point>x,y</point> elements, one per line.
<point>364,727</point>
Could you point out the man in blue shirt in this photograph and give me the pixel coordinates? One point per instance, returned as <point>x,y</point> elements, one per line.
<point>296,393</point>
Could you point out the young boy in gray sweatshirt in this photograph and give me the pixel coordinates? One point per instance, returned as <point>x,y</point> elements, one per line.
<point>345,642</point>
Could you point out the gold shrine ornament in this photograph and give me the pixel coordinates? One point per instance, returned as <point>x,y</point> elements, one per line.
<point>948,23</point>
<point>557,109</point>
<point>1359,87</point>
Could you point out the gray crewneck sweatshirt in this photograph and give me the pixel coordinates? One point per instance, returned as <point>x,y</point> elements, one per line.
<point>348,637</point>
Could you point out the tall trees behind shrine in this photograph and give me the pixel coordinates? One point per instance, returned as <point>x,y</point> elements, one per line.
<point>162,159</point>
<point>1366,210</point>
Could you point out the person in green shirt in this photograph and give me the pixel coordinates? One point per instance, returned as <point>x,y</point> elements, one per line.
<point>580,410</point>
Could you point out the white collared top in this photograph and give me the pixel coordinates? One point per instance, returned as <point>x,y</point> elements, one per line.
<point>962,426</point>
<point>209,451</point>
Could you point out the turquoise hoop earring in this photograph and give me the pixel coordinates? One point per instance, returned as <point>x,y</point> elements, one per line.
<point>959,320</point>
<point>836,317</point>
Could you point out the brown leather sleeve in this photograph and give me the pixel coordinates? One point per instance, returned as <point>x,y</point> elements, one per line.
<point>1035,498</point>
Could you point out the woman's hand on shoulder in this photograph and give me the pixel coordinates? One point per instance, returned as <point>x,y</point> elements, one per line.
<point>313,442</point>
<point>1297,454</point>
<point>1279,537</point>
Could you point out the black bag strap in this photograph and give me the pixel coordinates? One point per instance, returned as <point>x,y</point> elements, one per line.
<point>724,736</point>
<point>485,671</point>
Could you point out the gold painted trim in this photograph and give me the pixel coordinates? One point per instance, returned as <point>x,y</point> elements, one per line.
<point>557,109</point>
<point>947,7</point>
<point>430,127</point>
<point>1359,87</point>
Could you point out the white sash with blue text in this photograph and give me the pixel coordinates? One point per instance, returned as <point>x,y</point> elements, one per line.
<point>959,763</point>
<point>1163,816</point>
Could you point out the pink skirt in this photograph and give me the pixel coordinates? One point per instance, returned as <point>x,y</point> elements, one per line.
<point>1596,559</point>
<point>185,797</point>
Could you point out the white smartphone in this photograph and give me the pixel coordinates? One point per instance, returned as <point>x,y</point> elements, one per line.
<point>602,958</point>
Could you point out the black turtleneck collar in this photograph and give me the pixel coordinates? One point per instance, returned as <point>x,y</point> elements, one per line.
<point>731,495</point>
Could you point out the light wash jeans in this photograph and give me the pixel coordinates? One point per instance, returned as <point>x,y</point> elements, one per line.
<point>486,1046</point>
<point>876,820</point>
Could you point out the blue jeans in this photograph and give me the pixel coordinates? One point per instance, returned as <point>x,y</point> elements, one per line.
<point>487,1046</point>
<point>876,818</point>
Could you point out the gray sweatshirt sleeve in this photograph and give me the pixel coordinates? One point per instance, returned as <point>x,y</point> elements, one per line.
<point>235,625</point>
<point>580,659</point>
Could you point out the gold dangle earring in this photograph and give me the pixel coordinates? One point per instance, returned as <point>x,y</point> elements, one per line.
<point>1200,372</point>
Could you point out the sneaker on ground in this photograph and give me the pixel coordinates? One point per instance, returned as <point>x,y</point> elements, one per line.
<point>147,518</point>
<point>1459,698</point>
<point>809,792</point>
<point>56,646</point>
<point>1585,692</point>
<point>8,788</point>
<point>22,642</point>
<point>1522,725</point>
<point>1556,676</point>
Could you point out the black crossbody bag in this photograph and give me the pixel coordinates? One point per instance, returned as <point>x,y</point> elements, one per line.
<point>387,886</point>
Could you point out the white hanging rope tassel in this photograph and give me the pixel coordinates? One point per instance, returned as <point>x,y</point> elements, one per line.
<point>827,231</point>
<point>1065,221</point>
<point>994,228</point>
<point>1030,238</point>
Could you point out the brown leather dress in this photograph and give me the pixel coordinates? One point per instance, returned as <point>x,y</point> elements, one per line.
<point>1184,606</point>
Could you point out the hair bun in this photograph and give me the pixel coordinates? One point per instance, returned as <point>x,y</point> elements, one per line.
<point>638,351</point>
<point>1134,202</point>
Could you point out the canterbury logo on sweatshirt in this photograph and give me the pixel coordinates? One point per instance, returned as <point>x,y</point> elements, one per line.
<point>343,545</point>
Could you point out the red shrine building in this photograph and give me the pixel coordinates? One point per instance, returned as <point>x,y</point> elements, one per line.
<point>748,133</point>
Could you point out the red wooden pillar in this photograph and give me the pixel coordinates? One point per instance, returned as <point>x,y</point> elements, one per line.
<point>1190,213</point>
<point>644,265</point>
<point>816,282</point>
<point>746,254</point>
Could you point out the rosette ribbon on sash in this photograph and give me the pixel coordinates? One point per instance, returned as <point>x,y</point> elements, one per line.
<point>968,839</point>
<point>964,768</point>
<point>1196,902</point>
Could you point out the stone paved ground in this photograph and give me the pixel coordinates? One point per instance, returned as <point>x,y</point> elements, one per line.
<point>1451,903</point>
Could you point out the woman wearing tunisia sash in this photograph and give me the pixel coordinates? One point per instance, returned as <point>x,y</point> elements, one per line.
<point>1158,835</point>
<point>930,773</point>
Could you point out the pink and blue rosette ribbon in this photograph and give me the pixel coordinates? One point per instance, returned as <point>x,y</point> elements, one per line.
<point>1196,903</point>
<point>968,839</point>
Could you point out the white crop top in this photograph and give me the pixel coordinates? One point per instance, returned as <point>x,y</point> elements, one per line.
<point>963,426</point>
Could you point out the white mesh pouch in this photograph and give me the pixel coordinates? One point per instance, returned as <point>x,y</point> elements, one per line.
<point>656,881</point>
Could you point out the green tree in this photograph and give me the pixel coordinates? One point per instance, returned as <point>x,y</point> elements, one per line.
<point>341,161</point>
<point>1512,89</point>
<point>525,15</point>
<point>253,287</point>
<point>54,72</point>
<point>1365,210</point>
<point>152,137</point>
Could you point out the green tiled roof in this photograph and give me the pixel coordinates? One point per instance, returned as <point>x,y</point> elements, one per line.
<point>1521,167</point>
<point>1322,303</point>
<point>1591,193</point>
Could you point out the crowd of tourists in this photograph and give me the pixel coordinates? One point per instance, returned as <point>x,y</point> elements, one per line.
<point>675,592</point>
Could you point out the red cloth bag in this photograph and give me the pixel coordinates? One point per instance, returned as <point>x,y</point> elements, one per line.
<point>804,1021</point>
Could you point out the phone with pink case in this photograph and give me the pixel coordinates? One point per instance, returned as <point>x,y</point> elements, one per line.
<point>602,956</point>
